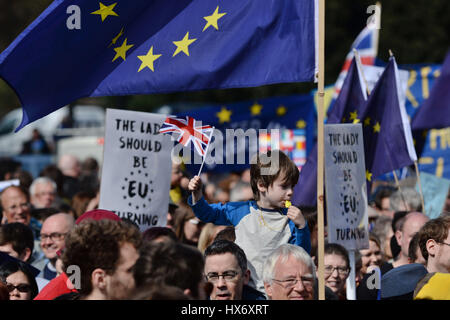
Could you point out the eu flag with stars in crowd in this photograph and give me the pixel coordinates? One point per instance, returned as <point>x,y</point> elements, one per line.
<point>388,143</point>
<point>349,104</point>
<point>143,47</point>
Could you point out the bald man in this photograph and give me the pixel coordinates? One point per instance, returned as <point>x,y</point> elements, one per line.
<point>53,233</point>
<point>15,205</point>
<point>410,225</point>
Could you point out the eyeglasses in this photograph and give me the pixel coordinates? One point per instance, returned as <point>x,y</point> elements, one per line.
<point>447,244</point>
<point>55,236</point>
<point>227,276</point>
<point>291,282</point>
<point>22,287</point>
<point>340,270</point>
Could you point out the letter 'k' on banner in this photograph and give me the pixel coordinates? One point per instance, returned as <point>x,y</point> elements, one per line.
<point>159,46</point>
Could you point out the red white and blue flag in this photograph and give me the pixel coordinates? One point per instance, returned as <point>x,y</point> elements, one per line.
<point>190,131</point>
<point>366,43</point>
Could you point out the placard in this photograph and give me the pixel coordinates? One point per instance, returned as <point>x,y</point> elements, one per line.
<point>135,181</point>
<point>345,185</point>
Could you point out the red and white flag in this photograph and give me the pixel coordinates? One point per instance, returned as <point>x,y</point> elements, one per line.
<point>189,131</point>
<point>366,43</point>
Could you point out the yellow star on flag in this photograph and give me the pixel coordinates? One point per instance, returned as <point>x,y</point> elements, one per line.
<point>183,45</point>
<point>122,50</point>
<point>368,176</point>
<point>376,127</point>
<point>354,115</point>
<point>147,60</point>
<point>212,19</point>
<point>301,124</point>
<point>356,120</point>
<point>224,115</point>
<point>106,11</point>
<point>255,109</point>
<point>367,122</point>
<point>114,40</point>
<point>281,111</point>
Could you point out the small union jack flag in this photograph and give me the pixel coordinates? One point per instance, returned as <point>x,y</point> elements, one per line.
<point>189,131</point>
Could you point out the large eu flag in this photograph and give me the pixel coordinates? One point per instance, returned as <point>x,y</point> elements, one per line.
<point>349,106</point>
<point>388,143</point>
<point>435,111</point>
<point>143,47</point>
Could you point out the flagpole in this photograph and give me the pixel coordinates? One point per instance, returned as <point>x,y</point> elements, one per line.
<point>358,62</point>
<point>420,185</point>
<point>206,152</point>
<point>320,152</point>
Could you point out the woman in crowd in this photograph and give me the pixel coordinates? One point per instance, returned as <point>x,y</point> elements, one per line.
<point>19,280</point>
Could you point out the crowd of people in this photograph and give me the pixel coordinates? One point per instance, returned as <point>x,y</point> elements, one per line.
<point>228,236</point>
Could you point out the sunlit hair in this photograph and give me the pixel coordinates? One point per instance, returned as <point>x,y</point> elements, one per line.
<point>282,254</point>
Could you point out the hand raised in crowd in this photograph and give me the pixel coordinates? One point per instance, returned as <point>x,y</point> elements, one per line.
<point>195,186</point>
<point>296,216</point>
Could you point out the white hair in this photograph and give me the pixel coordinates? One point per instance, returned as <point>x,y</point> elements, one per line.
<point>282,253</point>
<point>407,196</point>
<point>41,180</point>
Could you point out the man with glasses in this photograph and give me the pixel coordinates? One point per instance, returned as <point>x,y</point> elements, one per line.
<point>15,205</point>
<point>434,243</point>
<point>53,233</point>
<point>289,274</point>
<point>226,269</point>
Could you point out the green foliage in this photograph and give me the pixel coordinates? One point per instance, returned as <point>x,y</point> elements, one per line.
<point>416,31</point>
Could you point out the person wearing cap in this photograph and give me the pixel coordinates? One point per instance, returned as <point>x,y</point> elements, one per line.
<point>62,285</point>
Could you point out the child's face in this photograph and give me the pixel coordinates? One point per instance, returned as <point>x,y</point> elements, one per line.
<point>276,194</point>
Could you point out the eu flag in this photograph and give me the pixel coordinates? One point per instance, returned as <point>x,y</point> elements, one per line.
<point>143,47</point>
<point>387,134</point>
<point>435,111</point>
<point>349,107</point>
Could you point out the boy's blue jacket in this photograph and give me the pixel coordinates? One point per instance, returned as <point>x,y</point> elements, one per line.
<point>258,230</point>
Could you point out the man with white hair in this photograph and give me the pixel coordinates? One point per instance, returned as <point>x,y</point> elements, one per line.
<point>53,233</point>
<point>43,192</point>
<point>289,274</point>
<point>406,199</point>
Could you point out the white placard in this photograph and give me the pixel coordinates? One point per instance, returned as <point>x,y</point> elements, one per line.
<point>345,185</point>
<point>137,166</point>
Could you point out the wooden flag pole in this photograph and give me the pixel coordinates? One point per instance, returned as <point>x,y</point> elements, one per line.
<point>320,152</point>
<point>420,185</point>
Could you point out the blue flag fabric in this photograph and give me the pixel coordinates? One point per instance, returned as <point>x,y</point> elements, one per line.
<point>387,135</point>
<point>143,47</point>
<point>435,111</point>
<point>348,107</point>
